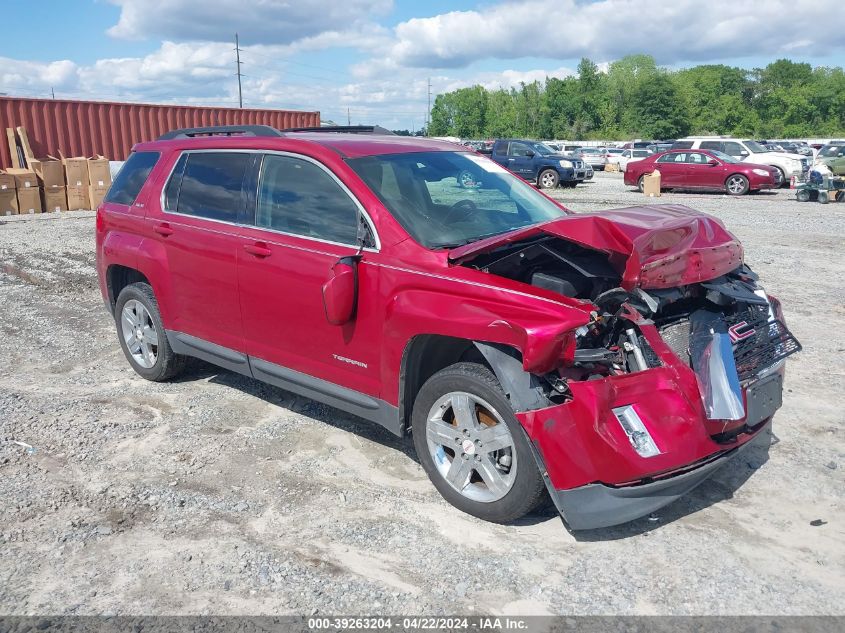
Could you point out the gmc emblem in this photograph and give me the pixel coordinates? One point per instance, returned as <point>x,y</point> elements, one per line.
<point>740,332</point>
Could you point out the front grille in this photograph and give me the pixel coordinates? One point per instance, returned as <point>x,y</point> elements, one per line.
<point>757,342</point>
<point>768,342</point>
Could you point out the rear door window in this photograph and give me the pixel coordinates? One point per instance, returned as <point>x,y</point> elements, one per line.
<point>132,176</point>
<point>298,197</point>
<point>716,145</point>
<point>676,157</point>
<point>211,185</point>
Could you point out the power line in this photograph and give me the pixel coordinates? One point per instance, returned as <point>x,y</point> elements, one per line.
<point>238,63</point>
<point>428,111</point>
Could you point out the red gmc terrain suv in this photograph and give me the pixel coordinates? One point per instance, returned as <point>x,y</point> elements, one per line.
<point>613,360</point>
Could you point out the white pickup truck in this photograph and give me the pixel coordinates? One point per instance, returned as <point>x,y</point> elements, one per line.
<point>749,151</point>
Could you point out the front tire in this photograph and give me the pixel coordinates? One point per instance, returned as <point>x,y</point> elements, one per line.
<point>548,179</point>
<point>142,336</point>
<point>736,185</point>
<point>472,447</point>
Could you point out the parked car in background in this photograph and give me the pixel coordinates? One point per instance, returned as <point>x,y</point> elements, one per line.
<point>628,156</point>
<point>596,157</point>
<point>538,162</point>
<point>833,157</point>
<point>790,147</point>
<point>750,151</point>
<point>638,144</point>
<point>686,169</point>
<point>656,148</point>
<point>611,361</point>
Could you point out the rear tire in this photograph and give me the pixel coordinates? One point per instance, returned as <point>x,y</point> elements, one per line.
<point>782,181</point>
<point>548,179</point>
<point>736,185</point>
<point>459,414</point>
<point>803,195</point>
<point>142,336</point>
<point>641,184</point>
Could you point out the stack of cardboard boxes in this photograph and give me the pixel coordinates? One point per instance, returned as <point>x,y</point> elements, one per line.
<point>8,194</point>
<point>51,179</point>
<point>28,193</point>
<point>69,184</point>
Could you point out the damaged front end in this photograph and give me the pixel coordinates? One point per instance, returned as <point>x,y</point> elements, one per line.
<point>665,382</point>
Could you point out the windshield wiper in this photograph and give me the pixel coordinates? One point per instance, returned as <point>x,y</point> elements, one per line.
<point>476,238</point>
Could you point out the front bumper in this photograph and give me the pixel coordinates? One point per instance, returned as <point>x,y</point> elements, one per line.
<point>591,469</point>
<point>598,506</point>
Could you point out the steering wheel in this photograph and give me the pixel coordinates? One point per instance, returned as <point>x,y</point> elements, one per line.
<point>461,210</point>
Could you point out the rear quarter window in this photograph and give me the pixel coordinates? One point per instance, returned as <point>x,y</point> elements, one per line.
<point>131,177</point>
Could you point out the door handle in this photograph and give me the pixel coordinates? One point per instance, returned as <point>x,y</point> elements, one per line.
<point>258,249</point>
<point>163,229</point>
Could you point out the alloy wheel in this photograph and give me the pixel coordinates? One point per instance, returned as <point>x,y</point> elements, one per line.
<point>139,333</point>
<point>471,446</point>
<point>547,180</point>
<point>736,184</point>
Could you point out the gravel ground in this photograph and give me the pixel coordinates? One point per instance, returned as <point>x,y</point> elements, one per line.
<point>217,494</point>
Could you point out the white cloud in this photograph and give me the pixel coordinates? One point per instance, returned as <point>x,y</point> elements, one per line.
<point>683,30</point>
<point>264,21</point>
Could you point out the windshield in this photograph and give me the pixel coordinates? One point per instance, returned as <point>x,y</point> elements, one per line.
<point>831,150</point>
<point>446,199</point>
<point>755,148</point>
<point>725,158</point>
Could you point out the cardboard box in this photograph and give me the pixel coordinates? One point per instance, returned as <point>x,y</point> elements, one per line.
<point>611,167</point>
<point>77,198</point>
<point>29,200</point>
<point>54,199</point>
<point>99,174</point>
<point>49,171</point>
<point>76,171</point>
<point>24,178</point>
<point>96,195</point>
<point>8,202</point>
<point>651,184</point>
<point>7,181</point>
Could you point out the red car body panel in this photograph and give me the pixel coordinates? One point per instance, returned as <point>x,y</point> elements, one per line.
<point>232,286</point>
<point>699,176</point>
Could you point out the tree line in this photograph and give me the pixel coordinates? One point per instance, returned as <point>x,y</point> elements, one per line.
<point>635,98</point>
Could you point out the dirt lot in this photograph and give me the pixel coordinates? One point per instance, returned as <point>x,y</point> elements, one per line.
<point>217,494</point>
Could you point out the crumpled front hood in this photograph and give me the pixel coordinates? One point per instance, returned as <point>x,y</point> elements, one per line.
<point>659,246</point>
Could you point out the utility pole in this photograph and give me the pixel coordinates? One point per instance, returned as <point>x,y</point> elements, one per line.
<point>428,112</point>
<point>238,64</point>
<point>53,93</point>
<point>348,117</point>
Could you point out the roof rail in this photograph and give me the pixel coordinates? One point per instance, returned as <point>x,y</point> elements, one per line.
<point>348,129</point>
<point>221,130</point>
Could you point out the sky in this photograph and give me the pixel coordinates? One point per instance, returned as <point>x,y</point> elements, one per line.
<point>370,61</point>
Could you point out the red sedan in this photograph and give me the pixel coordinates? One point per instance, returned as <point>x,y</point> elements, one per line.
<point>702,169</point>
